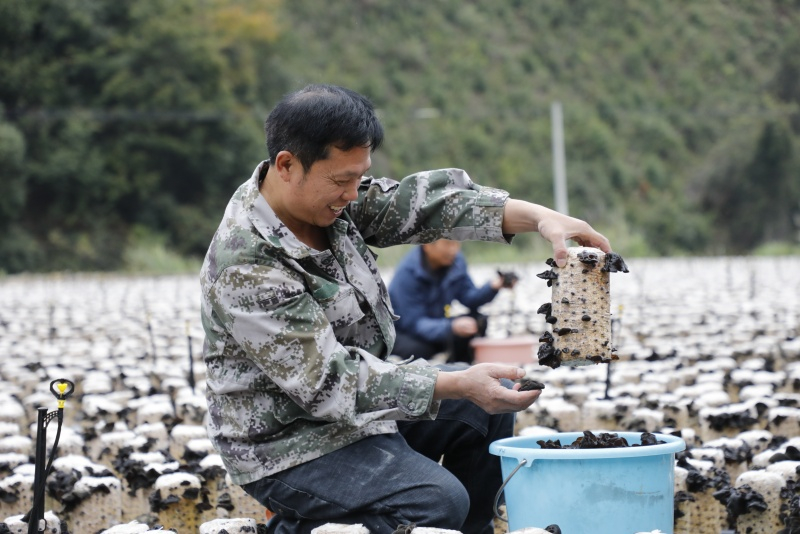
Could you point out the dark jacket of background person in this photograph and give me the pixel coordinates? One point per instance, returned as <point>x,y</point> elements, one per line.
<point>421,296</point>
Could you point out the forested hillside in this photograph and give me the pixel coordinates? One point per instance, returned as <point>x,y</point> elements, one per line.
<point>128,124</point>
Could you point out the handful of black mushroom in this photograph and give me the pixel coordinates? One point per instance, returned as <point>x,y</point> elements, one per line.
<point>528,384</point>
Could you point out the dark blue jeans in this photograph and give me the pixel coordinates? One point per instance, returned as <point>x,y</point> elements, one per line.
<point>392,479</point>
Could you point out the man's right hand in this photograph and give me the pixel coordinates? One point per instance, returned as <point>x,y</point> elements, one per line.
<point>464,326</point>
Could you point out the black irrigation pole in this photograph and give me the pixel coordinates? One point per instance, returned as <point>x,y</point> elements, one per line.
<point>152,339</point>
<point>615,325</point>
<point>39,476</point>
<point>51,330</point>
<point>191,358</point>
<point>62,389</point>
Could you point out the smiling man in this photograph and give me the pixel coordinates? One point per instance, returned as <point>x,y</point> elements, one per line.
<point>304,408</point>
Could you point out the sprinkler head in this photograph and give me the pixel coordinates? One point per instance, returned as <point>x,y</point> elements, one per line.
<point>62,388</point>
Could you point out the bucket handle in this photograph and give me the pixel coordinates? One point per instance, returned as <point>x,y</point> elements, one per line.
<point>522,462</point>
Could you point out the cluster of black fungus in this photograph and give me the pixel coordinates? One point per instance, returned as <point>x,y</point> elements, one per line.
<point>549,276</point>
<point>6,468</point>
<point>696,482</point>
<point>614,264</point>
<point>8,497</point>
<point>157,504</point>
<point>718,479</point>
<point>737,455</point>
<point>546,309</point>
<point>73,498</point>
<point>789,514</point>
<point>604,440</point>
<point>788,402</point>
<point>192,459</point>
<point>205,502</point>
<point>212,472</point>
<point>681,496</point>
<point>725,421</point>
<point>134,471</point>
<point>589,258</point>
<point>776,442</point>
<point>740,501</point>
<point>791,453</point>
<point>548,355</point>
<point>61,483</point>
<point>225,502</point>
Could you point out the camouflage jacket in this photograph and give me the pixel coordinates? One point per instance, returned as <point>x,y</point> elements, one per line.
<point>297,339</point>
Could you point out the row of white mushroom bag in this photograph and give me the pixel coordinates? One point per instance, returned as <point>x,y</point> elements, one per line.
<point>697,355</point>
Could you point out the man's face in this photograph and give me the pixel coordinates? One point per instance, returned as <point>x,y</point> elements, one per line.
<point>319,196</point>
<point>441,253</point>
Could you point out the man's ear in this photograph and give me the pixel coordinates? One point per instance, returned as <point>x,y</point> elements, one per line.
<point>286,164</point>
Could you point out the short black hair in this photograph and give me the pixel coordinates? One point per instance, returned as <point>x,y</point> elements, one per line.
<point>309,121</point>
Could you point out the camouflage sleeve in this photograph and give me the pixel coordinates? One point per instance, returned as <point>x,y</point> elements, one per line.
<point>285,332</point>
<point>426,206</point>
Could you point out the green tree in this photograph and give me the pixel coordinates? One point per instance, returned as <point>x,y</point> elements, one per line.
<point>776,195</point>
<point>133,114</point>
<point>12,177</point>
<point>753,190</point>
<point>786,84</point>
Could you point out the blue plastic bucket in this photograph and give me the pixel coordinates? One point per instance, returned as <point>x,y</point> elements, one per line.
<point>604,491</point>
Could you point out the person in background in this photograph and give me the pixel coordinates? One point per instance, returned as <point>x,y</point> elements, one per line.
<point>305,409</point>
<point>424,285</point>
